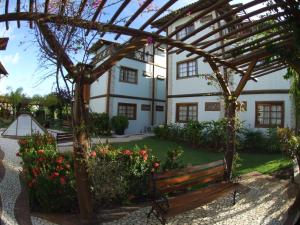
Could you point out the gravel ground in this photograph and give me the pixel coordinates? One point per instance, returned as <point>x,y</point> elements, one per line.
<point>10,187</point>
<point>262,200</point>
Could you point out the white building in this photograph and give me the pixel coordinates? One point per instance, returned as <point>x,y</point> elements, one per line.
<point>189,97</point>
<point>134,87</point>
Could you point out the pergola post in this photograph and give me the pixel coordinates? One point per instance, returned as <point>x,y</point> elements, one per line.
<point>230,114</point>
<point>80,148</point>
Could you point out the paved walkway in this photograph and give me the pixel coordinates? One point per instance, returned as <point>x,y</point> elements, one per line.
<point>262,200</point>
<point>14,204</point>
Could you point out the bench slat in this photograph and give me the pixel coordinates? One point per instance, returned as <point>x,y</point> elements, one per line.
<point>199,202</point>
<point>184,178</point>
<point>64,137</point>
<point>195,195</point>
<point>178,172</point>
<point>204,180</point>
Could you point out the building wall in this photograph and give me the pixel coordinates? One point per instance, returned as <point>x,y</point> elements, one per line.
<point>140,93</point>
<point>272,87</point>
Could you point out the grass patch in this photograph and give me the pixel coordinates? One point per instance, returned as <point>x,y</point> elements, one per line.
<point>4,123</point>
<point>263,163</point>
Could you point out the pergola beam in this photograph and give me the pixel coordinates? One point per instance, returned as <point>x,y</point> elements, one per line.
<point>96,14</point>
<point>56,47</point>
<point>238,30</point>
<point>197,17</point>
<point>117,13</point>
<point>244,79</point>
<point>134,45</point>
<point>223,16</point>
<point>135,15</point>
<point>62,20</point>
<point>253,43</point>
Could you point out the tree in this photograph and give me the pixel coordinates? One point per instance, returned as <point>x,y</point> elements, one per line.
<point>52,102</point>
<point>15,98</point>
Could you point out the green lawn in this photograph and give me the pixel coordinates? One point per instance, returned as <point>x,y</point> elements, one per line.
<point>264,163</point>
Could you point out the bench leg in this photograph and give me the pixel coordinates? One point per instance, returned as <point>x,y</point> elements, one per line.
<point>149,214</point>
<point>234,197</point>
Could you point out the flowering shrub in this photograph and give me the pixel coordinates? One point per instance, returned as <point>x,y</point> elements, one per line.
<point>289,143</point>
<point>174,159</point>
<point>48,174</point>
<point>120,175</point>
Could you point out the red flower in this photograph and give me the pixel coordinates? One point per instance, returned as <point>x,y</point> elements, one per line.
<point>143,153</point>
<point>155,165</point>
<point>35,172</point>
<point>55,174</point>
<point>149,40</point>
<point>93,154</point>
<point>41,152</point>
<point>22,142</point>
<point>60,159</point>
<point>127,152</point>
<point>41,159</point>
<point>62,180</point>
<point>31,183</point>
<point>58,168</point>
<point>18,154</point>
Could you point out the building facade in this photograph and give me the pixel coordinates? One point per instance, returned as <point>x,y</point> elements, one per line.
<point>134,87</point>
<point>192,94</point>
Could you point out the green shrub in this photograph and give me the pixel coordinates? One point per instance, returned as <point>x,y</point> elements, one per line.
<point>48,174</point>
<point>254,141</point>
<point>119,124</point>
<point>99,124</point>
<point>174,159</point>
<point>215,135</point>
<point>120,175</point>
<point>161,131</point>
<point>289,143</point>
<point>258,141</point>
<point>273,141</point>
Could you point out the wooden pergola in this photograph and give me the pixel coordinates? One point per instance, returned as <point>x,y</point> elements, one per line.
<point>3,45</point>
<point>242,49</point>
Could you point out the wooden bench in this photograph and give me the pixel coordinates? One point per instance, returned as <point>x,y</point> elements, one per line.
<point>171,194</point>
<point>64,137</point>
<point>66,124</point>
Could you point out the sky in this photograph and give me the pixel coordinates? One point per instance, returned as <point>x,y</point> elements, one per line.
<point>21,57</point>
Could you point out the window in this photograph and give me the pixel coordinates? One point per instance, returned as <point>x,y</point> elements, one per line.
<point>128,110</point>
<point>186,112</point>
<point>187,69</point>
<point>269,114</point>
<point>128,75</point>
<point>185,31</point>
<point>145,107</point>
<point>159,108</point>
<point>206,19</point>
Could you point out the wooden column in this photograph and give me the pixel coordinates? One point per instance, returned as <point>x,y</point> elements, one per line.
<point>80,148</point>
<point>230,103</point>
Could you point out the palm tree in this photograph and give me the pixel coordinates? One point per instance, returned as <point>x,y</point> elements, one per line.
<point>15,98</point>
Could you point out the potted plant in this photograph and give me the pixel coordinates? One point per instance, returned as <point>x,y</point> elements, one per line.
<point>119,124</point>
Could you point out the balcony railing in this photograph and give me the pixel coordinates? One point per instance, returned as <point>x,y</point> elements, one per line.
<point>138,55</point>
<point>141,56</point>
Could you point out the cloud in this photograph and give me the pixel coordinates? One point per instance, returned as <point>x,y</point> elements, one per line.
<point>10,59</point>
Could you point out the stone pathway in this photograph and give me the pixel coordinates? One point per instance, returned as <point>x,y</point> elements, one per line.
<point>262,200</point>
<point>14,204</point>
